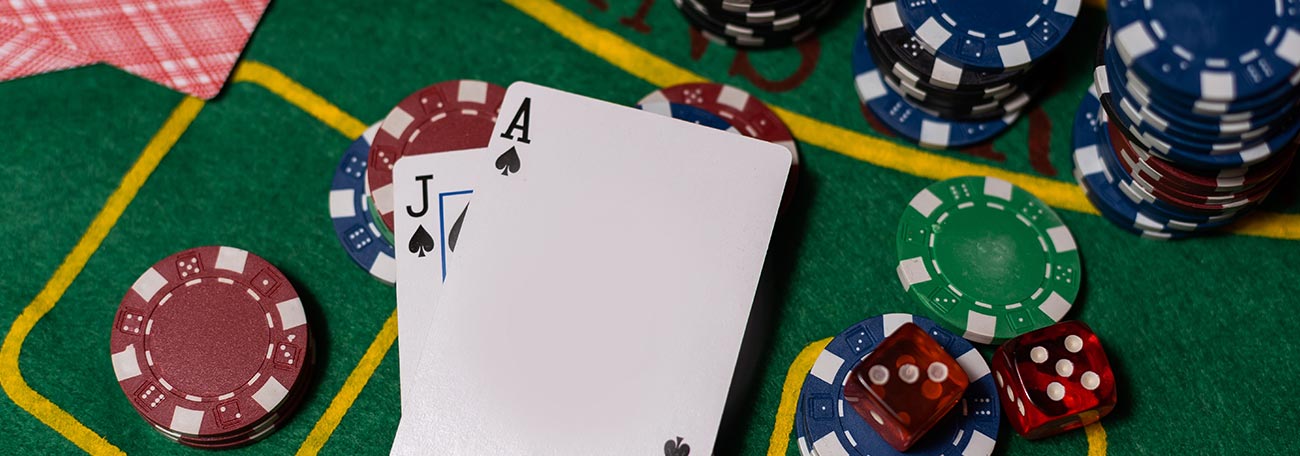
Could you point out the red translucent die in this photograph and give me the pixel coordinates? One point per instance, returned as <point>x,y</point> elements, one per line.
<point>1054,379</point>
<point>905,386</point>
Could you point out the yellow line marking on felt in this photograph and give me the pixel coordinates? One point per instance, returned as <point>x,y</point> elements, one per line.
<point>320,433</point>
<point>1096,439</point>
<point>658,71</point>
<point>803,362</point>
<point>291,91</point>
<point>606,44</point>
<point>10,376</point>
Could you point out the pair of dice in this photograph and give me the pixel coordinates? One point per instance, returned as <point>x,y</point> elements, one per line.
<point>1051,380</point>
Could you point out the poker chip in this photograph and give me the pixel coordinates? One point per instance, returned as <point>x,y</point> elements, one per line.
<point>1169,152</point>
<point>374,215</point>
<point>354,217</point>
<point>1180,122</point>
<point>1101,184</point>
<point>755,24</point>
<point>958,109</point>
<point>688,113</point>
<point>1012,35</point>
<point>910,120</point>
<point>942,90</point>
<point>973,251</point>
<point>1168,208</point>
<point>954,104</point>
<point>826,425</point>
<point>1165,113</point>
<point>251,435</point>
<point>801,434</point>
<point>935,98</point>
<point>1208,50</point>
<point>211,346</point>
<point>1214,182</point>
<point>1190,152</point>
<point>447,116</point>
<point>919,65</point>
<point>1171,192</point>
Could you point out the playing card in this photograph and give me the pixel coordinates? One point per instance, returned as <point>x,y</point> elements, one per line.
<point>190,46</point>
<point>607,273</point>
<point>431,197</point>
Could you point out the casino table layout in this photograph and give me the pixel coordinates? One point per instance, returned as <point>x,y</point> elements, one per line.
<point>107,173</point>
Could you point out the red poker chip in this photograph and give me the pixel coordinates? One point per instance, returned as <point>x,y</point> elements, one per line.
<point>1230,181</point>
<point>210,341</point>
<point>447,116</point>
<point>749,115</point>
<point>1172,192</point>
<point>254,432</point>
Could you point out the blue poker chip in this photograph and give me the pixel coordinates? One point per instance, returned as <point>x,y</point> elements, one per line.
<point>1210,50</point>
<point>909,120</point>
<point>1117,219</point>
<point>1190,154</point>
<point>1002,36</point>
<point>1173,128</point>
<point>1101,184</point>
<point>351,214</point>
<point>1270,102</point>
<point>1184,125</point>
<point>1166,113</point>
<point>833,428</point>
<point>688,113</point>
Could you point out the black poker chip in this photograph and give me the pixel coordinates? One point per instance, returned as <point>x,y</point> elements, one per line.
<point>936,84</point>
<point>896,43</point>
<point>755,25</point>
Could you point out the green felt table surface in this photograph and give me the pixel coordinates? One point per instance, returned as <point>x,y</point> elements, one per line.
<point>1201,333</point>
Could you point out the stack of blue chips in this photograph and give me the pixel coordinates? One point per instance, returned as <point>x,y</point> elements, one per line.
<point>1191,121</point>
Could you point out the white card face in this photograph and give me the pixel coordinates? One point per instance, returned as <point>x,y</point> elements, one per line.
<point>431,192</point>
<point>603,287</point>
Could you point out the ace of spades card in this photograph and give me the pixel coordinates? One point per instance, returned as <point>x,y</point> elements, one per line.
<point>603,281</point>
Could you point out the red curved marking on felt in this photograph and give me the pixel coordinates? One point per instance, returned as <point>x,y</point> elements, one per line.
<point>1040,142</point>
<point>699,43</point>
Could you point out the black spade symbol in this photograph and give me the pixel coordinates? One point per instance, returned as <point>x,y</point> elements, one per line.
<point>421,242</point>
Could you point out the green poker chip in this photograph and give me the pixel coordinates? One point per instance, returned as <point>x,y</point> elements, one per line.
<point>374,214</point>
<point>987,259</point>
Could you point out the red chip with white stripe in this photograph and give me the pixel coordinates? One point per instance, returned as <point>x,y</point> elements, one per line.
<point>209,341</point>
<point>447,116</point>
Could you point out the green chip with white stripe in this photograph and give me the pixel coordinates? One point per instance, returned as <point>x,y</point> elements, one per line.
<point>987,259</point>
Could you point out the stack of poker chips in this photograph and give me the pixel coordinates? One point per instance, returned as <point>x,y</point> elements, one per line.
<point>757,24</point>
<point>948,73</point>
<point>1190,124</point>
<point>212,347</point>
